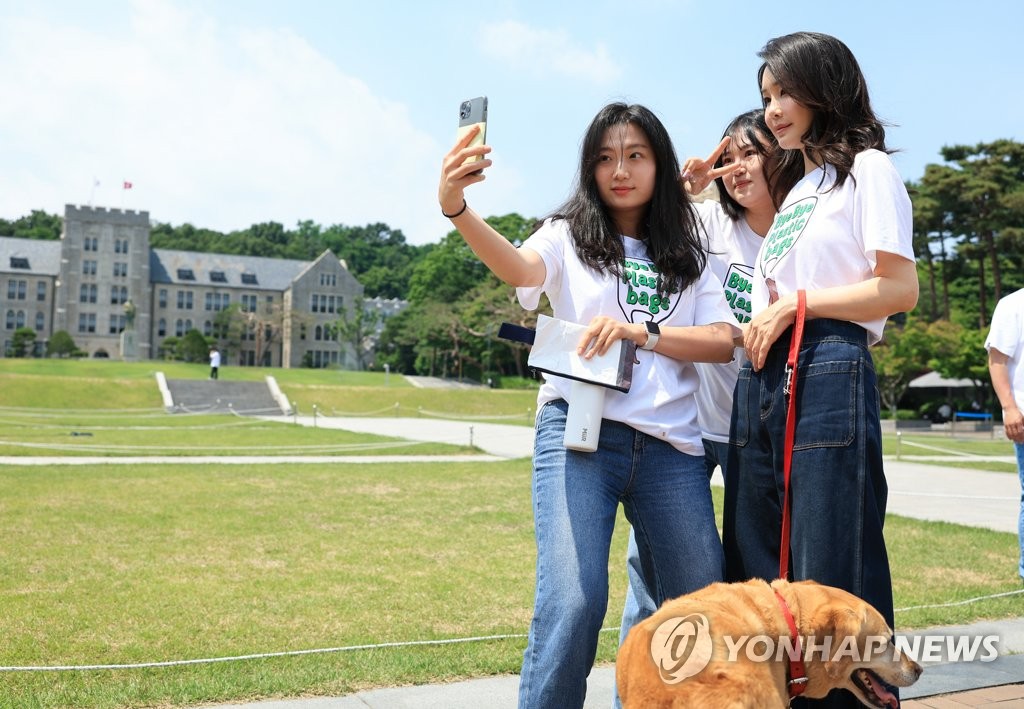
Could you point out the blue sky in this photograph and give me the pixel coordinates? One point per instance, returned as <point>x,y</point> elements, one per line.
<point>231,112</point>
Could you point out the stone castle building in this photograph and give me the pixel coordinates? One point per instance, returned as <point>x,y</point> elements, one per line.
<point>102,277</point>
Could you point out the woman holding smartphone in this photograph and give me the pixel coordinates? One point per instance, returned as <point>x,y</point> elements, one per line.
<point>843,237</point>
<point>736,225</point>
<point>627,212</point>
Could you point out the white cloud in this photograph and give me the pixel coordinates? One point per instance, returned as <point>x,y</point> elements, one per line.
<point>220,126</point>
<point>546,51</point>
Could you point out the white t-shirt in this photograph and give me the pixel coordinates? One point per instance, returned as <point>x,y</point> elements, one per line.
<point>660,401</point>
<point>215,358</point>
<point>1006,334</point>
<point>823,237</point>
<point>732,251</point>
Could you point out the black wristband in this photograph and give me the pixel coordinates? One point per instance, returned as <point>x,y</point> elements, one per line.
<point>458,213</point>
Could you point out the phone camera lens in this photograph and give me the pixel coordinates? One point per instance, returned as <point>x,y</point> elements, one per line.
<point>464,110</point>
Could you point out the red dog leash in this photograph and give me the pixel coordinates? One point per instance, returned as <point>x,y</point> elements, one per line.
<point>790,392</point>
<point>797,674</point>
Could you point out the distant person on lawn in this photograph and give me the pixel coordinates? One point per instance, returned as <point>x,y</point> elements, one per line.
<point>214,362</point>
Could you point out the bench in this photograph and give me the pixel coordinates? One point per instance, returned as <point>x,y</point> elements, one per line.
<point>982,420</point>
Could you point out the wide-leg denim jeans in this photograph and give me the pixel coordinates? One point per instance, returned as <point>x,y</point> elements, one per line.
<point>1020,519</point>
<point>837,484</point>
<point>667,498</point>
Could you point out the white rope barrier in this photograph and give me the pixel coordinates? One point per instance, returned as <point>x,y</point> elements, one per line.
<point>953,604</point>
<point>264,655</point>
<point>379,646</point>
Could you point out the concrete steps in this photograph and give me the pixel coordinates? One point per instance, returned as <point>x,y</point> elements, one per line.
<point>203,396</point>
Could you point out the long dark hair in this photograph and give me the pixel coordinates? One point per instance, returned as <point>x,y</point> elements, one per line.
<point>670,226</point>
<point>755,131</point>
<point>821,73</point>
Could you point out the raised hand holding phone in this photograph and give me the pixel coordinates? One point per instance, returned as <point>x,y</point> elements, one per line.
<point>468,153</point>
<point>473,112</point>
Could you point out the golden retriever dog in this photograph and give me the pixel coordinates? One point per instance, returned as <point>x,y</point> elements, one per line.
<point>728,645</point>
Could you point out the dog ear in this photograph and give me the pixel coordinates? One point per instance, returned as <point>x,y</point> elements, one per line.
<point>843,628</point>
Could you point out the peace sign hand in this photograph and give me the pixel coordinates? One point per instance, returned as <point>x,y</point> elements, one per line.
<point>698,174</point>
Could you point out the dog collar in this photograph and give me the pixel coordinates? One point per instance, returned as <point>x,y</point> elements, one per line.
<point>797,674</point>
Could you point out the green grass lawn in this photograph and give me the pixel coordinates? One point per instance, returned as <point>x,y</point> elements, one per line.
<point>153,432</point>
<point>124,564</point>
<point>136,564</point>
<point>958,451</point>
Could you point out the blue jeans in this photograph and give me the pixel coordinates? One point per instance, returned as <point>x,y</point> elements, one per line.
<point>639,602</point>
<point>837,484</point>
<point>1020,519</point>
<point>576,495</point>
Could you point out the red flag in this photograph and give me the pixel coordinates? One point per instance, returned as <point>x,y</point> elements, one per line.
<point>127,185</point>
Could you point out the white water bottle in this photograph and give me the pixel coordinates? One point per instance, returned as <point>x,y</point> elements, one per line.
<point>583,419</point>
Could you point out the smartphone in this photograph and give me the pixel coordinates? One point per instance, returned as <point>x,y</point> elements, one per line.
<point>471,113</point>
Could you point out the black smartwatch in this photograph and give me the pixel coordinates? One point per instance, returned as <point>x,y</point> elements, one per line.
<point>653,335</point>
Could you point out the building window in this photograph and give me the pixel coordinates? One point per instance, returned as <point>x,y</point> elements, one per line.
<point>184,300</point>
<point>20,318</point>
<point>249,279</point>
<point>207,328</point>
<point>218,301</point>
<point>120,269</point>
<point>117,323</point>
<point>19,262</point>
<point>88,268</point>
<point>161,327</point>
<point>10,320</point>
<point>87,293</point>
<point>218,277</point>
<point>87,322</point>
<point>40,322</point>
<point>40,290</point>
<point>12,290</point>
<point>248,303</point>
<point>163,297</point>
<point>186,274</point>
<point>179,327</point>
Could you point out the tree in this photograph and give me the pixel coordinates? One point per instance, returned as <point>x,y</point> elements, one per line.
<point>981,198</point>
<point>354,330</point>
<point>23,342</point>
<point>229,326</point>
<point>61,345</point>
<point>899,357</point>
<point>169,349</point>
<point>37,225</point>
<point>193,347</point>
